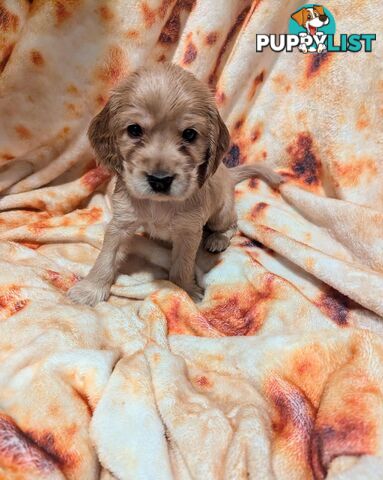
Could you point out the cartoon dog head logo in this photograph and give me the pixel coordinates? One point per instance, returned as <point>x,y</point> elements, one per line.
<point>312,22</point>
<point>311,18</point>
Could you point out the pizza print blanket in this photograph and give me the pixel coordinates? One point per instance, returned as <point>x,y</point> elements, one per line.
<point>278,373</point>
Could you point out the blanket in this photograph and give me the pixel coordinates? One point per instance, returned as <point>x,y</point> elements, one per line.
<point>278,372</point>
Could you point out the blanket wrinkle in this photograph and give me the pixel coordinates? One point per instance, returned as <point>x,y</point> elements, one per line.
<point>278,372</point>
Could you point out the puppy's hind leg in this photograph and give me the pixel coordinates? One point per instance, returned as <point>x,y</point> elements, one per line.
<point>222,225</point>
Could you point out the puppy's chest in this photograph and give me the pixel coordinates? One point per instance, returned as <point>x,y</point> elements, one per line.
<point>158,223</point>
<point>159,231</point>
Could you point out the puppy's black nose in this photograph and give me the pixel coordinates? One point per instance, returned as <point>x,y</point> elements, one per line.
<point>322,18</point>
<point>160,182</point>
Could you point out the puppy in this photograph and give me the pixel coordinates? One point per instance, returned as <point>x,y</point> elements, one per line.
<point>311,19</point>
<point>162,136</point>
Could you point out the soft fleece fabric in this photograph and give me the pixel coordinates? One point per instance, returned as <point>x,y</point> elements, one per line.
<point>278,373</point>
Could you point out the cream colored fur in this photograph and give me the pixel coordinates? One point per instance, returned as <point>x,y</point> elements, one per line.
<point>165,100</point>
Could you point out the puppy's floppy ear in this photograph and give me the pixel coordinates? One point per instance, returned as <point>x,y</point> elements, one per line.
<point>319,9</point>
<point>218,144</point>
<point>299,16</point>
<point>103,140</point>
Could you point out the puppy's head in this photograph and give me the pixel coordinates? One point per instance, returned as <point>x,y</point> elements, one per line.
<point>161,132</point>
<point>311,18</point>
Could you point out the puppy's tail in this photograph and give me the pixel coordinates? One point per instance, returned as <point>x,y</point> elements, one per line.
<point>244,172</point>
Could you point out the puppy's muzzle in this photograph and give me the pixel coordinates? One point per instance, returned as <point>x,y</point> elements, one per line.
<point>160,182</point>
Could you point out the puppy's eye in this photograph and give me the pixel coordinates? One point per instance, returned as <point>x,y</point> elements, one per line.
<point>189,135</point>
<point>134,130</point>
<point>309,17</point>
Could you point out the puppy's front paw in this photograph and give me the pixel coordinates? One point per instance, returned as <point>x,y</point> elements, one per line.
<point>216,242</point>
<point>302,48</point>
<point>195,293</point>
<point>322,48</point>
<point>87,292</point>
